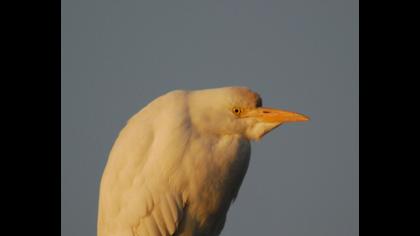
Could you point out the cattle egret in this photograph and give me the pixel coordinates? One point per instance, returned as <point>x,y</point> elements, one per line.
<point>178,164</point>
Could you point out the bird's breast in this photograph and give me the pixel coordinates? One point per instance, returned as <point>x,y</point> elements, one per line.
<point>215,172</point>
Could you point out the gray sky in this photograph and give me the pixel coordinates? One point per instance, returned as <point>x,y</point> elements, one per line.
<point>300,55</point>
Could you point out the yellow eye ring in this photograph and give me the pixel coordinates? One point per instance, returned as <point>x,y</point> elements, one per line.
<point>236,110</point>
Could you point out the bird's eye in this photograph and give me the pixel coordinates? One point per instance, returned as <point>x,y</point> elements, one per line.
<point>236,110</point>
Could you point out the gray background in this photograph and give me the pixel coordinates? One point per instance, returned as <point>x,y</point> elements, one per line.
<point>298,54</point>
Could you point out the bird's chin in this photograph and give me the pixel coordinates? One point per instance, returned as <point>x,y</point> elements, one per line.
<point>259,130</point>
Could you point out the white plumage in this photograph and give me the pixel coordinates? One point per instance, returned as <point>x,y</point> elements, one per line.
<point>178,164</point>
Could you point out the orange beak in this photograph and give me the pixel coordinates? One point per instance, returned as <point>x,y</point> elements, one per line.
<point>275,115</point>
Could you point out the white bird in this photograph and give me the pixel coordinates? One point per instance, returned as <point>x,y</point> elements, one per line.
<point>178,164</point>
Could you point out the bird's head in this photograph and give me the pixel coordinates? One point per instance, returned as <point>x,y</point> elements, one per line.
<point>236,110</point>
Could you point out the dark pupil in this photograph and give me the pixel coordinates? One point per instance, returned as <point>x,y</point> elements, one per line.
<point>236,110</point>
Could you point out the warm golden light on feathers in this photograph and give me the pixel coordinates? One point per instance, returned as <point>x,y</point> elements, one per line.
<point>178,164</point>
